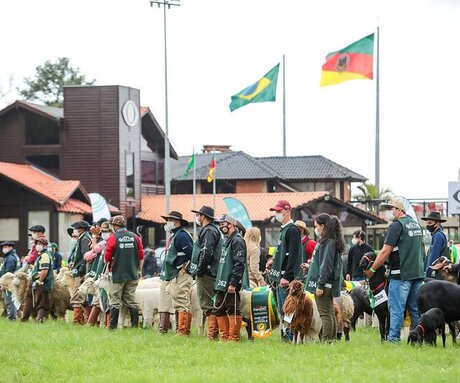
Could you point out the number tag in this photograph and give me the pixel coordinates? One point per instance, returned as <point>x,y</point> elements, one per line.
<point>380,298</point>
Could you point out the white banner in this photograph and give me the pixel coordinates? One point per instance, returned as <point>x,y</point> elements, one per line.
<point>99,206</point>
<point>454,198</point>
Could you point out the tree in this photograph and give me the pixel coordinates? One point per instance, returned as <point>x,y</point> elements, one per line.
<point>50,79</point>
<point>371,196</point>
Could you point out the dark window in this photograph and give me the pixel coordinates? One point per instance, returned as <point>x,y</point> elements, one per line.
<point>161,173</point>
<point>149,171</point>
<point>130,175</point>
<point>48,162</point>
<point>41,130</point>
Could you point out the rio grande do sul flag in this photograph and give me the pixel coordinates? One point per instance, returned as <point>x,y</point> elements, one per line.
<point>261,91</point>
<point>354,62</point>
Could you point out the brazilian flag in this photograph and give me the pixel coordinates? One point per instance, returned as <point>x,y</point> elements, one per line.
<point>261,91</point>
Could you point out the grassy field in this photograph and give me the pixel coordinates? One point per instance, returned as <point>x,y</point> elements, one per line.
<point>58,351</point>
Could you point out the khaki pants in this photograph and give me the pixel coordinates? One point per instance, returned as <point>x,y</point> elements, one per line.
<point>165,300</point>
<point>123,294</point>
<point>205,290</point>
<point>77,299</point>
<point>180,292</point>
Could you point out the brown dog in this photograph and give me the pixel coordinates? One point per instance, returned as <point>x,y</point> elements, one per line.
<point>299,305</point>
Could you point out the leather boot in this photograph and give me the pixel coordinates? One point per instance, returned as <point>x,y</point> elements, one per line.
<point>176,316</point>
<point>78,316</point>
<point>213,327</point>
<point>223,324</point>
<point>234,327</point>
<point>113,323</point>
<point>165,323</point>
<point>107,319</point>
<point>188,322</point>
<point>181,319</point>
<point>94,314</point>
<point>87,313</point>
<point>134,313</point>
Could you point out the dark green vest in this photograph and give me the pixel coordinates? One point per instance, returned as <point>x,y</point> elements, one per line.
<point>169,271</point>
<point>198,247</point>
<point>93,266</point>
<point>125,264</point>
<point>225,269</point>
<point>79,261</point>
<point>410,248</point>
<point>276,273</point>
<point>48,283</point>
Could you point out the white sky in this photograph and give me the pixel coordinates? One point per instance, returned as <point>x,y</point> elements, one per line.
<point>217,48</point>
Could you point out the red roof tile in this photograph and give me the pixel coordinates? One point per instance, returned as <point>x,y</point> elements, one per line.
<point>75,206</point>
<point>257,204</point>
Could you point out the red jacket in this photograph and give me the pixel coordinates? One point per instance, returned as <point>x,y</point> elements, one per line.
<point>309,245</point>
<point>111,247</point>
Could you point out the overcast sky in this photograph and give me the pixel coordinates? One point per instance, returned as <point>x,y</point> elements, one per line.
<point>217,48</point>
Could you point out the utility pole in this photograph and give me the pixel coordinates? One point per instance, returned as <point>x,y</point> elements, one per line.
<point>167,174</point>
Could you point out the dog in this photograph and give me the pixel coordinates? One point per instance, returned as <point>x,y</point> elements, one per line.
<point>429,322</point>
<point>300,306</point>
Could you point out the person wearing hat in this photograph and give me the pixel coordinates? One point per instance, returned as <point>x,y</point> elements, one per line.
<point>177,257</point>
<point>77,268</point>
<point>205,260</point>
<point>57,257</point>
<point>42,277</point>
<point>125,254</point>
<point>403,247</point>
<point>37,231</point>
<point>286,263</point>
<point>308,244</point>
<point>233,267</point>
<point>439,244</point>
<point>10,264</point>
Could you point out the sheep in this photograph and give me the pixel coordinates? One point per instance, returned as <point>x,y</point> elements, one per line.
<point>443,295</point>
<point>344,308</point>
<point>429,322</point>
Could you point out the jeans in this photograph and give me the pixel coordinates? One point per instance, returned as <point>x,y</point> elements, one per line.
<point>402,294</point>
<point>11,311</point>
<point>281,294</point>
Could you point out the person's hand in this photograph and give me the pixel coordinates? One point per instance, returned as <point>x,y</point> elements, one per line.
<point>319,292</point>
<point>368,273</point>
<point>231,289</point>
<point>269,265</point>
<point>262,283</point>
<point>448,268</point>
<point>348,277</point>
<point>284,283</point>
<point>95,230</point>
<point>139,275</point>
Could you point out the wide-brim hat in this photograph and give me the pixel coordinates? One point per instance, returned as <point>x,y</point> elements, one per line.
<point>70,231</point>
<point>105,226</point>
<point>302,225</point>
<point>7,243</point>
<point>434,216</point>
<point>393,202</point>
<point>205,210</point>
<point>175,215</point>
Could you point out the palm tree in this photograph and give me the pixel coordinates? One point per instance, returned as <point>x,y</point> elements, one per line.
<point>371,196</point>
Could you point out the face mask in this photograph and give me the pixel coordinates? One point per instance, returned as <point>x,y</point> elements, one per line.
<point>354,241</point>
<point>5,250</point>
<point>168,226</point>
<point>223,229</point>
<point>105,236</point>
<point>34,235</point>
<point>431,228</point>
<point>39,248</point>
<point>279,217</point>
<point>197,220</point>
<point>318,234</point>
<point>389,215</point>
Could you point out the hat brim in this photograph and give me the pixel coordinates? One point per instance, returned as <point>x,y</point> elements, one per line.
<point>200,212</point>
<point>433,219</point>
<point>183,221</point>
<point>276,208</point>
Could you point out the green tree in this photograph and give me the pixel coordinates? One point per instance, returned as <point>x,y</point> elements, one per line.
<point>371,196</point>
<point>50,79</point>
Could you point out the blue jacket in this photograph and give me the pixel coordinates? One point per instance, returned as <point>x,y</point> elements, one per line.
<point>11,262</point>
<point>438,246</point>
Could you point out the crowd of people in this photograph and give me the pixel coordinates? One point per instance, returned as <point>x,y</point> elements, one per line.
<point>223,259</point>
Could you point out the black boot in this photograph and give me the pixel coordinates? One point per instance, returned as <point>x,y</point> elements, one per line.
<point>134,312</point>
<point>165,323</point>
<point>113,323</point>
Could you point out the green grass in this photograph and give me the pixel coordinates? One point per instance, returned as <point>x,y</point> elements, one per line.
<point>58,351</point>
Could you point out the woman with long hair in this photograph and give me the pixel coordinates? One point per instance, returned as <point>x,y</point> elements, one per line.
<point>252,238</point>
<point>325,277</point>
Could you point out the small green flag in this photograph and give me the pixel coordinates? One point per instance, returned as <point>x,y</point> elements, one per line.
<point>263,90</point>
<point>191,164</point>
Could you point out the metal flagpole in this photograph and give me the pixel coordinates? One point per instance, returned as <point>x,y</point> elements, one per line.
<point>284,107</point>
<point>194,191</point>
<point>377,117</point>
<point>214,182</point>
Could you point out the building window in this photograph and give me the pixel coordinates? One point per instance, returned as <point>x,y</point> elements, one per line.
<point>47,162</point>
<point>41,130</point>
<point>9,229</point>
<point>148,169</point>
<point>130,175</point>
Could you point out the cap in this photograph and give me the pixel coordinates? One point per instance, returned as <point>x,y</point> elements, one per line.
<point>37,228</point>
<point>55,245</point>
<point>434,216</point>
<point>205,210</point>
<point>81,225</point>
<point>394,202</point>
<point>281,205</point>
<point>226,218</point>
<point>118,220</point>
<point>42,240</point>
<point>7,243</point>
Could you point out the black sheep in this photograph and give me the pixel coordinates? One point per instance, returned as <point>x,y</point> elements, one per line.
<point>429,322</point>
<point>443,295</point>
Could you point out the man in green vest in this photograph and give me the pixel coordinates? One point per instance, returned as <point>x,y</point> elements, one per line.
<point>229,279</point>
<point>125,254</point>
<point>205,259</point>
<point>37,296</point>
<point>177,258</point>
<point>403,247</point>
<point>285,266</point>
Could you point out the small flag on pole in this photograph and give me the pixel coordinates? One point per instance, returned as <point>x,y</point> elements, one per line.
<point>261,91</point>
<point>354,62</point>
<point>212,167</point>
<point>191,164</point>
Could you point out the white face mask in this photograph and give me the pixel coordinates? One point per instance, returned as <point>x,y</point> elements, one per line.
<point>39,248</point>
<point>105,235</point>
<point>168,226</point>
<point>279,217</point>
<point>389,215</point>
<point>318,234</point>
<point>197,220</point>
<point>5,250</point>
<point>354,241</point>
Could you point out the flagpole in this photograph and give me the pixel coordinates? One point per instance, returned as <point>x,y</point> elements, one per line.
<point>194,191</point>
<point>284,107</point>
<point>214,182</point>
<point>377,117</point>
